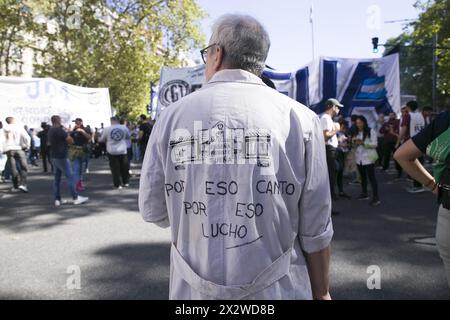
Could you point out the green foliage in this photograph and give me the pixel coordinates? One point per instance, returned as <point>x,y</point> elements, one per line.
<point>15,21</point>
<point>416,62</point>
<point>119,44</point>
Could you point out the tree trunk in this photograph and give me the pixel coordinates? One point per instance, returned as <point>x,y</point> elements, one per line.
<point>2,48</point>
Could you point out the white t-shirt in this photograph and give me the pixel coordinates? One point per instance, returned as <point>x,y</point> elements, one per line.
<point>116,139</point>
<point>417,123</point>
<point>378,127</point>
<point>37,141</point>
<point>327,124</point>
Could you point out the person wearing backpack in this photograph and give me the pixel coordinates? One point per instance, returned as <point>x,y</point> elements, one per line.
<point>433,140</point>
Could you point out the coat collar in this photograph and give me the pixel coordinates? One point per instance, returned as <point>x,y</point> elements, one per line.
<point>235,75</point>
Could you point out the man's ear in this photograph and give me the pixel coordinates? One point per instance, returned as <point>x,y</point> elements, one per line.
<point>218,58</point>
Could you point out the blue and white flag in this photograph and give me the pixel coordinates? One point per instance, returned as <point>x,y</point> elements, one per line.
<point>357,83</point>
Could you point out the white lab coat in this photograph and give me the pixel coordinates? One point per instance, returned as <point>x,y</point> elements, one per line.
<point>239,171</point>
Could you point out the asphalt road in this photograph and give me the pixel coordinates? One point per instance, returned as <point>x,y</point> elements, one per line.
<point>117,255</point>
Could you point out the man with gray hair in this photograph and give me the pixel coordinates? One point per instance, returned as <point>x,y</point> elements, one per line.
<point>239,173</point>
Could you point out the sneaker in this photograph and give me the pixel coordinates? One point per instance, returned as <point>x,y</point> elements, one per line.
<point>60,202</point>
<point>416,190</point>
<point>375,203</point>
<point>23,188</point>
<point>130,172</point>
<point>126,185</point>
<point>87,171</point>
<point>118,188</point>
<point>80,200</point>
<point>363,197</point>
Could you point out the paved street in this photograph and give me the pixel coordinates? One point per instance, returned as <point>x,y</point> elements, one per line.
<point>122,257</point>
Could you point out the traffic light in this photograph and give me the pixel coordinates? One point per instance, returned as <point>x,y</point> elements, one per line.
<point>375,45</point>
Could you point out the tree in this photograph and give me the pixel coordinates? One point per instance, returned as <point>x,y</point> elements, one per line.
<point>119,44</point>
<point>416,56</point>
<point>15,20</point>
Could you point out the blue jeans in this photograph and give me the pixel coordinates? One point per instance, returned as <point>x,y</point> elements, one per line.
<point>77,164</point>
<point>61,166</point>
<point>136,152</point>
<point>86,158</point>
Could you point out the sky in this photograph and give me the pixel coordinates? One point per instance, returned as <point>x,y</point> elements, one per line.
<point>342,28</point>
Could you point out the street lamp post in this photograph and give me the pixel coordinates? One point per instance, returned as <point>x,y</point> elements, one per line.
<point>311,20</point>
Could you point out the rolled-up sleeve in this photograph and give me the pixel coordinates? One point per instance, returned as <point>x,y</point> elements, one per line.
<point>315,227</point>
<point>152,202</point>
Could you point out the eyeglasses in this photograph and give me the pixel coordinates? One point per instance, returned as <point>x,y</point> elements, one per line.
<point>204,52</point>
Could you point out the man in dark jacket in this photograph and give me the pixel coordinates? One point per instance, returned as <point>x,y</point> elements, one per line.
<point>45,149</point>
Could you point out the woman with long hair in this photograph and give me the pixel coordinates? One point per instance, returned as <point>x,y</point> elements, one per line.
<point>365,143</point>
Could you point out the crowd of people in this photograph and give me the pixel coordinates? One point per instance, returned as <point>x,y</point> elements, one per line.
<point>66,151</point>
<point>356,150</point>
<point>289,229</point>
<point>353,150</point>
